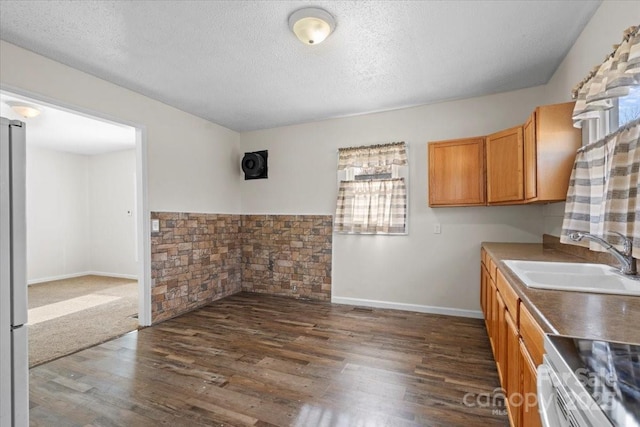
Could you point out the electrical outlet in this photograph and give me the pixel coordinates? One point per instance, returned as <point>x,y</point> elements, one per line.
<point>294,288</point>
<point>155,225</point>
<point>437,229</point>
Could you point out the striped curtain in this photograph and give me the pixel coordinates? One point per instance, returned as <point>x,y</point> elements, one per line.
<point>603,190</point>
<point>612,79</point>
<point>372,207</point>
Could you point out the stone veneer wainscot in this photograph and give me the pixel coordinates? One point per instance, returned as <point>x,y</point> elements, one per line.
<point>199,258</point>
<point>195,259</point>
<point>287,255</point>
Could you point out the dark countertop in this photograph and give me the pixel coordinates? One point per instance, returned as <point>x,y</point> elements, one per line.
<point>580,314</point>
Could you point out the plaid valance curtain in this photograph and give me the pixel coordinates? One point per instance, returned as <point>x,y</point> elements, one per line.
<point>375,157</point>
<point>603,190</point>
<point>612,79</point>
<point>370,202</point>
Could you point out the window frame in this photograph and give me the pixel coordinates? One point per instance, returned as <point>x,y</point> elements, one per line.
<point>605,124</point>
<point>397,171</point>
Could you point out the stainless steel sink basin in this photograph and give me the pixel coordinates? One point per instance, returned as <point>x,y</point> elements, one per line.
<point>579,277</point>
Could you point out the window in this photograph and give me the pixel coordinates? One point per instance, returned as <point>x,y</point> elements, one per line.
<point>602,198</point>
<point>372,191</point>
<point>609,97</point>
<point>624,110</point>
<point>627,109</point>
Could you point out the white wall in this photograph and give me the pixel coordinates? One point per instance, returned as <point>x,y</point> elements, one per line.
<point>193,167</point>
<point>112,232</point>
<point>422,269</point>
<point>57,214</point>
<point>192,163</point>
<point>594,43</point>
<point>77,221</point>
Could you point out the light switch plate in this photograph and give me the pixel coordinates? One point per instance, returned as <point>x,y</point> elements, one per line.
<point>155,225</point>
<point>437,229</point>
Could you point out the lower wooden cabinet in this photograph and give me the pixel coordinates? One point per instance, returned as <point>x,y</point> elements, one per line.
<point>529,407</point>
<point>483,289</point>
<point>512,384</point>
<point>516,341</point>
<point>493,331</point>
<point>501,333</point>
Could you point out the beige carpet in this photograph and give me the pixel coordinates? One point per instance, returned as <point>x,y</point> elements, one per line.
<point>70,315</point>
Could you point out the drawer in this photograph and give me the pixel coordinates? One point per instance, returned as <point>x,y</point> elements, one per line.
<point>508,295</point>
<point>532,335</point>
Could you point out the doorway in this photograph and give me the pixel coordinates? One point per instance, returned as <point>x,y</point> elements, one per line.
<point>87,263</point>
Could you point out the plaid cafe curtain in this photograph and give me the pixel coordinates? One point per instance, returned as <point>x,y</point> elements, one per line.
<point>603,190</point>
<point>612,79</point>
<point>372,206</point>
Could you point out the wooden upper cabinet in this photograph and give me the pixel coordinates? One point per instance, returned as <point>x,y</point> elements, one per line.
<point>505,166</point>
<point>456,172</point>
<point>550,144</point>
<point>531,163</point>
<point>530,160</point>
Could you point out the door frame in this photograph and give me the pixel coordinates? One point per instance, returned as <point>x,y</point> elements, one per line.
<point>143,217</point>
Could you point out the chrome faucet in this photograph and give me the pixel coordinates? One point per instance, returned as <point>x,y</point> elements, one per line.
<point>627,262</point>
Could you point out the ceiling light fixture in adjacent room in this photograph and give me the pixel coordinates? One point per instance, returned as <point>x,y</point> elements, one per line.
<point>25,110</point>
<point>312,25</point>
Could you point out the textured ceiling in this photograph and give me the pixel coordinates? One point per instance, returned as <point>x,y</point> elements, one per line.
<point>237,64</point>
<point>59,130</point>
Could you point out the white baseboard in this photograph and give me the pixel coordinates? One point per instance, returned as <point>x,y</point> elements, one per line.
<point>82,273</point>
<point>59,277</point>
<point>116,275</point>
<point>408,307</point>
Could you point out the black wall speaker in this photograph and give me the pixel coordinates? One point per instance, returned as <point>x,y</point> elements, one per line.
<point>254,165</point>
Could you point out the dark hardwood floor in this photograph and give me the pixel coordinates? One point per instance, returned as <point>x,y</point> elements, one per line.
<point>262,361</point>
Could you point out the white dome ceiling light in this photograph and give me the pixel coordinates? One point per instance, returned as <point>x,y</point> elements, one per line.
<point>25,110</point>
<point>311,25</point>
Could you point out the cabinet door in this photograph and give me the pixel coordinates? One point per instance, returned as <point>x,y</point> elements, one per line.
<point>530,160</point>
<point>492,309</point>
<point>505,166</point>
<point>483,290</point>
<point>457,172</point>
<point>501,348</point>
<point>556,143</point>
<point>487,301</point>
<point>530,415</point>
<point>513,381</point>
<point>488,305</point>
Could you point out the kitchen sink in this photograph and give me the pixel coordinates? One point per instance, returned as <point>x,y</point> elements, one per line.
<point>578,277</point>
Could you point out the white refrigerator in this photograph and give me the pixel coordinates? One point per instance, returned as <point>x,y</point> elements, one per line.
<point>14,360</point>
